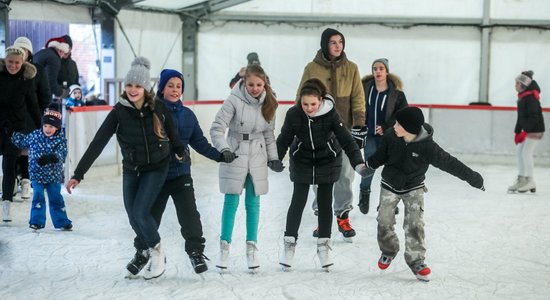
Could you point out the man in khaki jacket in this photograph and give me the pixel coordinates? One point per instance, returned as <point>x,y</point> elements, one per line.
<point>343,82</point>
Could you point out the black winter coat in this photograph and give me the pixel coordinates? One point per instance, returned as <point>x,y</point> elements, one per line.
<point>50,60</point>
<point>68,72</point>
<point>405,164</point>
<point>141,148</point>
<point>530,117</point>
<point>316,144</point>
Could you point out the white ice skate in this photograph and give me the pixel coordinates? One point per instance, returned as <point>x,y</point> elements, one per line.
<point>251,255</point>
<point>288,255</point>
<point>224,255</point>
<point>323,248</point>
<point>157,263</point>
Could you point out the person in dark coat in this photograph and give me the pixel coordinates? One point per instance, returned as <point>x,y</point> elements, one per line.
<point>528,131</point>
<point>383,98</point>
<point>315,134</point>
<point>145,132</point>
<point>50,59</point>
<point>44,96</point>
<point>179,183</point>
<point>406,152</point>
<point>18,112</point>
<point>68,71</point>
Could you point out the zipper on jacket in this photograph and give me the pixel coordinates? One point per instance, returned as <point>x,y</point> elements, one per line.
<point>312,147</point>
<point>144,136</point>
<point>330,148</point>
<point>297,149</point>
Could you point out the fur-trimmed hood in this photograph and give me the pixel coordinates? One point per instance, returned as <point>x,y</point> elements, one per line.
<point>29,71</point>
<point>397,82</point>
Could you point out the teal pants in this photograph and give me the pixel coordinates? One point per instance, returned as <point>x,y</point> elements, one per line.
<point>252,205</point>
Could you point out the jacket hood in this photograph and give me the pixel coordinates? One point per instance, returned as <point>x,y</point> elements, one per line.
<point>426,133</point>
<point>29,71</point>
<point>127,103</point>
<point>178,104</point>
<point>326,106</point>
<point>392,78</point>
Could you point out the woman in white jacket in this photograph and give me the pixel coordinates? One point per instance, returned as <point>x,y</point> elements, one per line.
<point>247,150</point>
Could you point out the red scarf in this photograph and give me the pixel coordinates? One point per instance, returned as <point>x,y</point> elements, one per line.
<point>535,93</point>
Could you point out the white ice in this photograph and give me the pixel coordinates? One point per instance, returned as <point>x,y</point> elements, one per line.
<point>480,245</point>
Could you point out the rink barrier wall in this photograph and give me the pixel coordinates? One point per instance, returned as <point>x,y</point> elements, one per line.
<point>476,133</point>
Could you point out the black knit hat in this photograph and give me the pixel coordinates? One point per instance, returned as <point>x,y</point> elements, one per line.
<point>325,38</point>
<point>410,118</point>
<point>52,116</point>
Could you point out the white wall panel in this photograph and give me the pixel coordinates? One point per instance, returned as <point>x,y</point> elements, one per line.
<point>42,11</point>
<point>520,9</point>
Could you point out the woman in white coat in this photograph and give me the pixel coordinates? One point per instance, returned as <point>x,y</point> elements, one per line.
<point>247,150</point>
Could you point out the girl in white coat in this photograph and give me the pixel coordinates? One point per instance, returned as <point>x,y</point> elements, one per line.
<point>247,151</point>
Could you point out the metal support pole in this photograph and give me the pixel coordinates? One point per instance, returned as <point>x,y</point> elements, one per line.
<point>189,46</point>
<point>485,54</point>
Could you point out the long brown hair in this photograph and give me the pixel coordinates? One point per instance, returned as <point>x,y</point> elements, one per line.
<point>149,99</point>
<point>270,103</point>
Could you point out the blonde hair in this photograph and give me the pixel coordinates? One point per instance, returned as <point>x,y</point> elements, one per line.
<point>16,51</point>
<point>270,103</point>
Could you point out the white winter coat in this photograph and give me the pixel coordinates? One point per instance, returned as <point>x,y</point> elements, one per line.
<point>242,115</point>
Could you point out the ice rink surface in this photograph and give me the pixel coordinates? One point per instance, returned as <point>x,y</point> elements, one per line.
<point>480,245</point>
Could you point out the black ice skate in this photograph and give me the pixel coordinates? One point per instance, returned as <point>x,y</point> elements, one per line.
<point>198,261</point>
<point>138,262</point>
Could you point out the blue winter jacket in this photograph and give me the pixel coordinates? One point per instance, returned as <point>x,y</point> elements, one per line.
<point>39,144</point>
<point>190,134</point>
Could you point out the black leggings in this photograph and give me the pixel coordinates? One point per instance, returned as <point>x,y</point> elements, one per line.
<point>8,179</point>
<point>299,199</point>
<point>23,166</point>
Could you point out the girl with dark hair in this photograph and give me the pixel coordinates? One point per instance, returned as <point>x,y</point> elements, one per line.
<point>246,152</point>
<point>316,136</point>
<point>145,131</point>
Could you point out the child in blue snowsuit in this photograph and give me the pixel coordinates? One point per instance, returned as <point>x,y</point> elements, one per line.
<point>47,152</point>
<point>75,96</point>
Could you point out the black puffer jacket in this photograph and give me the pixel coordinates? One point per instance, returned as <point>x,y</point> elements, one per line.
<point>405,164</point>
<point>316,144</point>
<point>142,149</point>
<point>18,105</point>
<point>530,117</point>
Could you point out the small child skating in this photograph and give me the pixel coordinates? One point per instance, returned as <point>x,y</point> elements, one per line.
<point>75,97</point>
<point>47,152</point>
<point>406,151</point>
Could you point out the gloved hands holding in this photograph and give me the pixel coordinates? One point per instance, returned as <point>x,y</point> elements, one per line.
<point>364,170</point>
<point>359,134</point>
<point>183,157</point>
<point>227,156</point>
<point>276,165</point>
<point>520,137</point>
<point>47,159</point>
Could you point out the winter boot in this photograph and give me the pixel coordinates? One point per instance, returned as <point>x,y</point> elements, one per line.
<point>197,261</point>
<point>364,201</point>
<point>157,263</point>
<point>528,185</point>
<point>384,261</point>
<point>251,256</point>
<point>344,226</point>
<point>422,272</point>
<point>138,262</point>
<point>25,189</point>
<point>520,181</point>
<point>288,255</point>
<point>323,248</point>
<point>6,204</point>
<point>224,255</point>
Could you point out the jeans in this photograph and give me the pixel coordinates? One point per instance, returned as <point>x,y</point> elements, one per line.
<point>140,190</point>
<point>372,144</point>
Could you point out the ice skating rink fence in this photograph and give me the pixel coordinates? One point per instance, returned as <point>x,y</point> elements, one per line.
<point>482,134</point>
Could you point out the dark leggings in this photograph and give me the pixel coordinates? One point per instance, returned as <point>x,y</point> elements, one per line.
<point>8,179</point>
<point>23,166</point>
<point>299,199</point>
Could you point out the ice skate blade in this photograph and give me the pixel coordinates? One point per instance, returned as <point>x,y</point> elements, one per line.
<point>131,276</point>
<point>422,278</point>
<point>347,239</point>
<point>154,277</point>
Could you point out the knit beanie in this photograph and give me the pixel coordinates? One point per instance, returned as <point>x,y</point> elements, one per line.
<point>383,61</point>
<point>410,118</point>
<point>73,88</point>
<point>253,58</point>
<point>23,42</point>
<point>525,78</point>
<point>165,75</point>
<point>52,116</point>
<point>68,40</point>
<point>325,38</point>
<point>139,73</point>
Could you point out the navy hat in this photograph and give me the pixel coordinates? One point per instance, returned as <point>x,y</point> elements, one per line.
<point>165,75</point>
<point>410,118</point>
<point>325,38</point>
<point>52,116</point>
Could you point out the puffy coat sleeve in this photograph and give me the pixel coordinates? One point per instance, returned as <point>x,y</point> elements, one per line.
<point>221,123</point>
<point>271,145</point>
<point>347,142</point>
<point>199,142</point>
<point>286,136</point>
<point>357,98</point>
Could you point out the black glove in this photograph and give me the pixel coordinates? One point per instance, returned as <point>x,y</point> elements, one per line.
<point>47,159</point>
<point>364,170</point>
<point>276,165</point>
<point>183,156</point>
<point>359,134</point>
<point>227,156</point>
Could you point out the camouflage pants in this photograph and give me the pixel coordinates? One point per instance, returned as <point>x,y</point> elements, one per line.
<point>413,225</point>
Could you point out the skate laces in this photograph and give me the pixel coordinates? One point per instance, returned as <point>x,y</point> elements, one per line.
<point>344,224</point>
